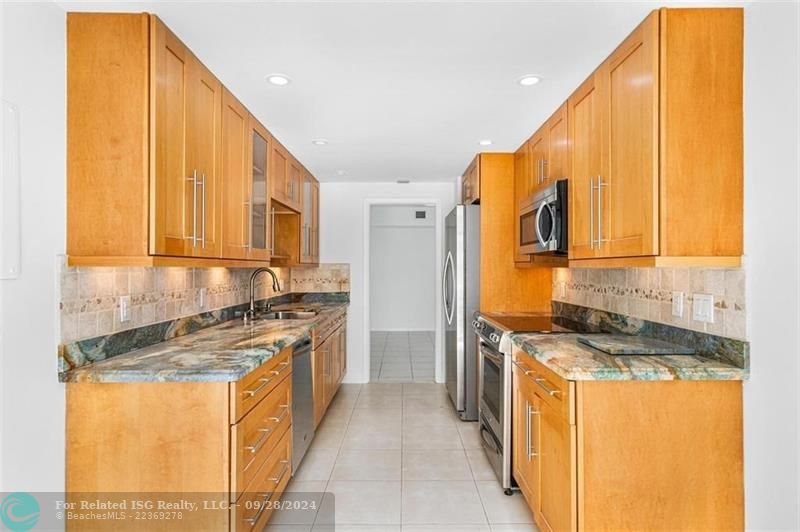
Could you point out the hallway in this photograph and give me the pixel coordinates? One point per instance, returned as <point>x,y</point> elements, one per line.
<point>402,356</point>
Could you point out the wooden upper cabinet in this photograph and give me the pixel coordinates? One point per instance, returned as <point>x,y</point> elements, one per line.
<point>235,175</point>
<point>279,166</point>
<point>309,226</point>
<point>627,195</point>
<point>656,140</point>
<point>522,173</point>
<point>538,154</point>
<point>187,115</point>
<point>585,108</point>
<point>258,232</point>
<point>164,167</point>
<point>174,179</point>
<point>471,183</point>
<point>557,165</point>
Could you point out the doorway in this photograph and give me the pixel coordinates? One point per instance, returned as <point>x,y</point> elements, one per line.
<point>402,279</point>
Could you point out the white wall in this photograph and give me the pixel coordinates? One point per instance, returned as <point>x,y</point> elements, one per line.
<point>33,401</point>
<point>403,270</point>
<point>342,240</point>
<point>772,197</point>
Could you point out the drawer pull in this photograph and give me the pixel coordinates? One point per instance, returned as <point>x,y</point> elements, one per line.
<point>550,391</point>
<point>278,419</point>
<point>285,366</point>
<point>264,382</point>
<point>277,479</point>
<point>265,497</point>
<point>257,445</point>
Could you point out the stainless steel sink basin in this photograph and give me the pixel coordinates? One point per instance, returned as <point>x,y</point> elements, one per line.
<point>289,315</point>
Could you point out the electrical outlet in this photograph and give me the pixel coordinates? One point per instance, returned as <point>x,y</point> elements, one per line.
<point>677,304</point>
<point>703,308</point>
<point>201,298</point>
<point>124,309</point>
<point>562,289</point>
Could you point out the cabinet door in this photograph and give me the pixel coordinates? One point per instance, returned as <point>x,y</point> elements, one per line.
<point>539,159</point>
<point>558,507</point>
<point>343,351</point>
<point>294,183</point>
<point>586,137</point>
<point>525,435</point>
<point>471,182</point>
<point>235,178</point>
<point>628,195</point>
<point>258,230</point>
<point>557,160</point>
<point>280,172</point>
<point>315,224</point>
<point>307,216</point>
<point>521,187</point>
<point>318,381</point>
<point>174,204</point>
<point>204,141</point>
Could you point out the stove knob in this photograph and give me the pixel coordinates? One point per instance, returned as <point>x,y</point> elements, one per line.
<point>494,337</point>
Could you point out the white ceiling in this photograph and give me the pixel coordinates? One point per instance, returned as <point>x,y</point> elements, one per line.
<point>401,90</point>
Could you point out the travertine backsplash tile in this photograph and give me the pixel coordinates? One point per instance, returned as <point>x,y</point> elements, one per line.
<point>89,303</point>
<point>647,293</point>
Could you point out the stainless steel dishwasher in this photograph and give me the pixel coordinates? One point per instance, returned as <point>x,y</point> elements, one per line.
<point>302,402</point>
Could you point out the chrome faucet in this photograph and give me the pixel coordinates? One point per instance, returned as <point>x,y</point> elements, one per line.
<point>276,287</point>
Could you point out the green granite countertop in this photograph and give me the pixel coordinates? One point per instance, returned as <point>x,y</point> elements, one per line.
<point>572,360</point>
<point>224,352</point>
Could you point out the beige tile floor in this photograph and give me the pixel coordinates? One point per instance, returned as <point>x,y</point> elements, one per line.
<point>400,356</point>
<point>396,458</point>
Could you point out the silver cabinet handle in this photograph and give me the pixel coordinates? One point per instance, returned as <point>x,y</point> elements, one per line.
<point>265,497</point>
<point>544,175</point>
<point>193,180</point>
<point>591,213</point>
<point>272,232</point>
<point>203,222</point>
<point>264,382</point>
<point>284,367</point>
<point>278,419</point>
<point>550,391</point>
<point>600,186</point>
<point>248,229</point>
<point>528,430</point>
<point>531,452</point>
<point>260,442</point>
<point>277,479</point>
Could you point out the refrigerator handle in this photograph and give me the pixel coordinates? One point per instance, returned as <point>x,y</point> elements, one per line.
<point>448,305</point>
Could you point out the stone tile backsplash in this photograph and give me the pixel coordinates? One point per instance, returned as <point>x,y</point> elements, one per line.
<point>89,303</point>
<point>646,293</point>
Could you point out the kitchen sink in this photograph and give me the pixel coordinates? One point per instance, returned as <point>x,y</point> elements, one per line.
<point>289,315</point>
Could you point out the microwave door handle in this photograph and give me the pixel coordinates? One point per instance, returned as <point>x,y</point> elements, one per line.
<point>536,224</point>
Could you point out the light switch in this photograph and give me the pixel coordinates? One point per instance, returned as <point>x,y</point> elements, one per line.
<point>124,309</point>
<point>703,308</point>
<point>562,289</point>
<point>677,304</point>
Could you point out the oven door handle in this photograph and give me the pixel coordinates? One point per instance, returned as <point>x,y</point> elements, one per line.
<point>497,359</point>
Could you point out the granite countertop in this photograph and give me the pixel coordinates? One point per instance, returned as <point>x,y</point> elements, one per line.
<point>575,361</point>
<point>222,353</point>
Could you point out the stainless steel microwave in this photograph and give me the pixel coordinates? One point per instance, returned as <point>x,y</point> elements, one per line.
<point>543,221</point>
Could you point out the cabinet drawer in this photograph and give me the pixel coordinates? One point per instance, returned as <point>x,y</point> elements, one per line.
<point>247,392</point>
<point>254,436</point>
<point>255,506</point>
<point>557,392</point>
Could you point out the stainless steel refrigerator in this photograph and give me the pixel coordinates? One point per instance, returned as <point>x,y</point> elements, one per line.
<point>461,291</point>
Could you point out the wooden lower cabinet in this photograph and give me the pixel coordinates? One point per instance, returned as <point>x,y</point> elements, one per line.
<point>627,455</point>
<point>329,363</point>
<point>226,446</point>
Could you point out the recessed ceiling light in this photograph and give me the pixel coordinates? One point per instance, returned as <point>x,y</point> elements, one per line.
<point>485,142</point>
<point>529,79</point>
<point>278,79</point>
<point>341,172</point>
<point>403,181</point>
<point>319,142</point>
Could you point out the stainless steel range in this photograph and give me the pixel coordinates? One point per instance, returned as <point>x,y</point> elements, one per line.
<point>494,407</point>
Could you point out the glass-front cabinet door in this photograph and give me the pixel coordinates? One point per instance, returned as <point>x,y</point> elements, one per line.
<point>259,196</point>
<point>307,225</point>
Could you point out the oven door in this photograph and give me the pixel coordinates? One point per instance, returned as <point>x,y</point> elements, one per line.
<point>492,403</point>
